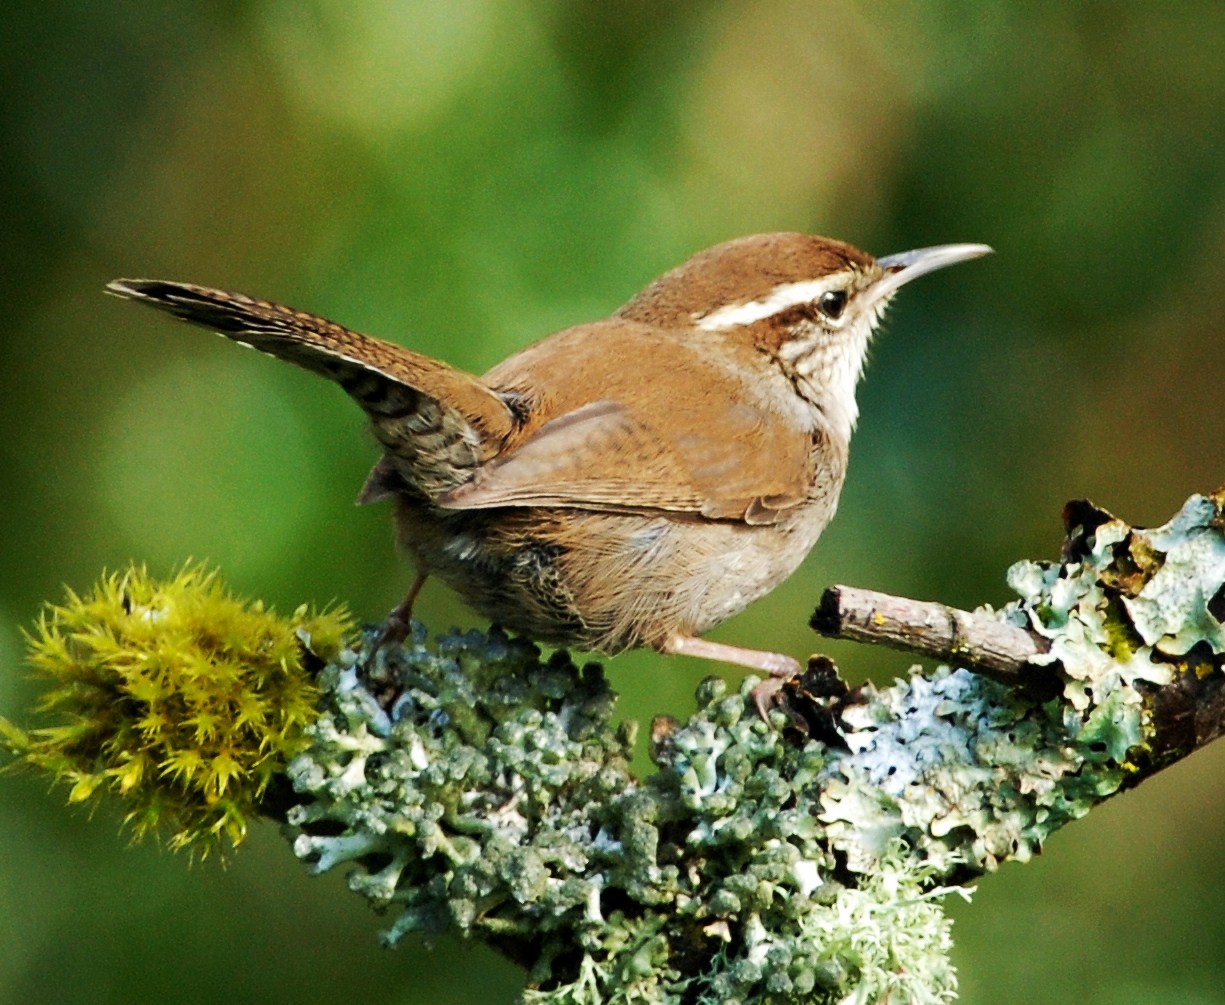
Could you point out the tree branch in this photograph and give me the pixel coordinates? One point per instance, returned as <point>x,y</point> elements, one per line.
<point>977,641</point>
<point>1140,586</point>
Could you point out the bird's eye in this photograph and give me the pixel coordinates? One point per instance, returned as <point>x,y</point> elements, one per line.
<point>832,304</point>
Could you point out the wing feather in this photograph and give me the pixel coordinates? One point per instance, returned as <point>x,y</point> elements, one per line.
<point>718,448</point>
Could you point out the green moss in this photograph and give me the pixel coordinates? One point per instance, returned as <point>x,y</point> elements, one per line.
<point>179,697</point>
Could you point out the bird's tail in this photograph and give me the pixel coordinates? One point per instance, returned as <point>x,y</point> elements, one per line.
<point>436,423</point>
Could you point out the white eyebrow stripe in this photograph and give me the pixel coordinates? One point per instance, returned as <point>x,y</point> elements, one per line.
<point>780,298</point>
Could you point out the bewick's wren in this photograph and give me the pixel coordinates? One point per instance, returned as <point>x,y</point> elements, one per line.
<point>634,481</point>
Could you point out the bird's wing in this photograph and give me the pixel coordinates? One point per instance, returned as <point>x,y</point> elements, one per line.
<point>714,455</point>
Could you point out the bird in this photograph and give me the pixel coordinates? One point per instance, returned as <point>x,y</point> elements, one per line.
<point>629,482</point>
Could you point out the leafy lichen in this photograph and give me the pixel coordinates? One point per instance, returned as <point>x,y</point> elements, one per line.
<point>487,792</point>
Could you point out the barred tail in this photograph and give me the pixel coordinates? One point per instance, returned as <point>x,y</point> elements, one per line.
<point>435,422</point>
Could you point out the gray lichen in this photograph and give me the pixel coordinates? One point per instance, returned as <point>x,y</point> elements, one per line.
<point>472,787</point>
<point>495,797</point>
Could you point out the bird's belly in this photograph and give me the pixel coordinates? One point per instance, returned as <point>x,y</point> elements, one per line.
<point>605,581</point>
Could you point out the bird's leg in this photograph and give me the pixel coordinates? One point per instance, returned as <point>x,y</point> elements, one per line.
<point>395,628</point>
<point>779,666</point>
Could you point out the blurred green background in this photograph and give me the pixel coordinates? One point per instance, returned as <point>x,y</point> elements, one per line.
<point>467,176</point>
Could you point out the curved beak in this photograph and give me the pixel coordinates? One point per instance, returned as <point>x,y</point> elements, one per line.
<point>907,265</point>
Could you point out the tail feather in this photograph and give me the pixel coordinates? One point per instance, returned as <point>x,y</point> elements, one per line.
<point>436,423</point>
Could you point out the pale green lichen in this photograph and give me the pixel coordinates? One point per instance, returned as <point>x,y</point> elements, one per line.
<point>495,797</point>
<point>1118,618</point>
<point>1171,611</point>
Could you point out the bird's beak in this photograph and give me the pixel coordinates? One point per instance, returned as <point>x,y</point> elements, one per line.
<point>901,268</point>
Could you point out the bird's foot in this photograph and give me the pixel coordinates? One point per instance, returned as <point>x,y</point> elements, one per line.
<point>398,622</point>
<point>779,667</point>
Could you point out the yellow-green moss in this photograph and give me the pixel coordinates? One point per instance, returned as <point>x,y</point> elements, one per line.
<point>176,695</point>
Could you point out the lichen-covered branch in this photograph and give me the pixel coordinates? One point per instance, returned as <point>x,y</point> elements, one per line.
<point>470,786</point>
<point>755,865</point>
<point>1158,592</point>
<point>488,792</point>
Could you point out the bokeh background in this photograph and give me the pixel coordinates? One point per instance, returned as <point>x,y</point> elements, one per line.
<point>466,176</point>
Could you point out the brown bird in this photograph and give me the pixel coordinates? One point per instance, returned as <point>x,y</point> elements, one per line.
<point>630,482</point>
